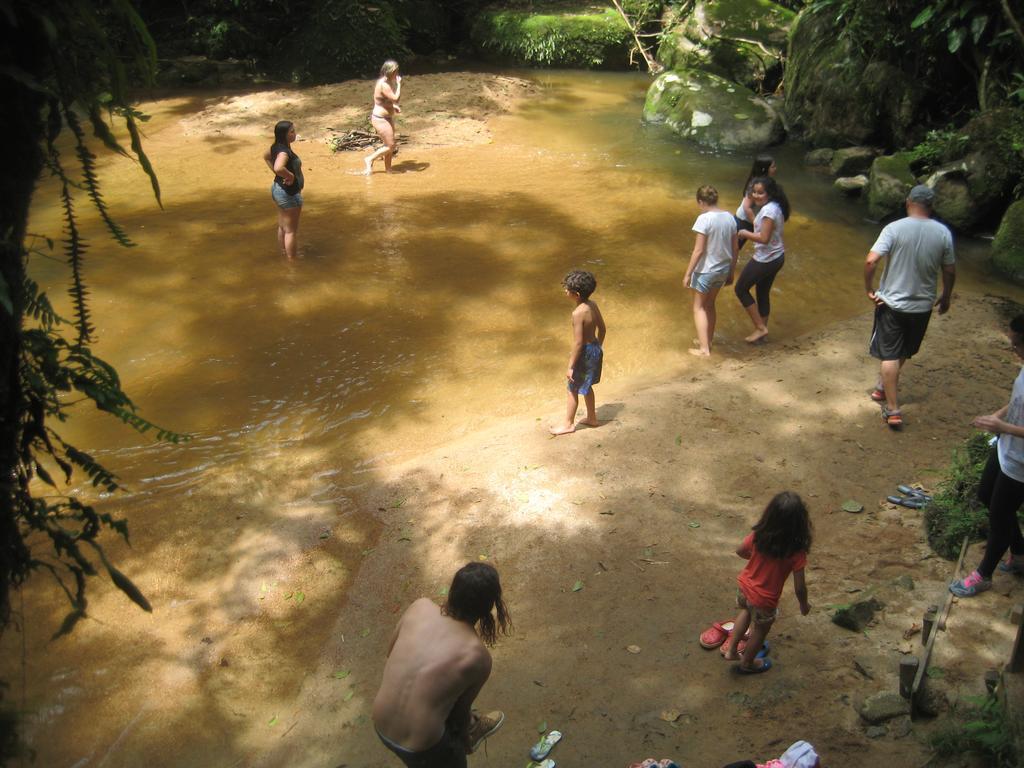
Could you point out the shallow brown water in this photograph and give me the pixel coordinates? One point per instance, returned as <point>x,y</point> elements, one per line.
<point>423,305</point>
<point>426,302</point>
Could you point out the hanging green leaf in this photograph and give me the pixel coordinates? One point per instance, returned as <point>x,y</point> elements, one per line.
<point>923,17</point>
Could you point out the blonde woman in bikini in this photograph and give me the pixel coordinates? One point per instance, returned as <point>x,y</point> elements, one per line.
<point>386,94</point>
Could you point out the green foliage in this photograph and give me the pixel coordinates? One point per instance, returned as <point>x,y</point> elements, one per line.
<point>919,35</point>
<point>939,146</point>
<point>83,52</point>
<point>342,37</point>
<point>568,39</point>
<point>984,729</point>
<point>955,511</point>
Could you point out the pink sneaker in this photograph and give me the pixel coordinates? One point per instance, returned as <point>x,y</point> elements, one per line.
<point>971,585</point>
<point>1013,565</point>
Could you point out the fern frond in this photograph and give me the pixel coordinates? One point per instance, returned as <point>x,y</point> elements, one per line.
<point>89,180</point>
<point>38,306</point>
<point>121,581</point>
<point>133,131</point>
<point>74,248</point>
<point>101,130</point>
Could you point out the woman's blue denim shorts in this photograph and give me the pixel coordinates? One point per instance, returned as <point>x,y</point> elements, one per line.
<point>283,199</point>
<point>702,282</point>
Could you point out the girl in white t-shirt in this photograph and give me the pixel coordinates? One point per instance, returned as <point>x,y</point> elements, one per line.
<point>712,264</point>
<point>769,253</point>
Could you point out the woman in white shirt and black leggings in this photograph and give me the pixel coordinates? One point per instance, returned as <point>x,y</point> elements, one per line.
<point>769,253</point>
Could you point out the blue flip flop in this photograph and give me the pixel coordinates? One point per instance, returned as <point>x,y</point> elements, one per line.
<point>766,664</point>
<point>910,502</point>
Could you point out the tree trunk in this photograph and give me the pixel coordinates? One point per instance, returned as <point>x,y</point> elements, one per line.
<point>20,50</point>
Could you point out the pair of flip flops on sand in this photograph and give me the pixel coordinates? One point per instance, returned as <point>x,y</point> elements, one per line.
<point>911,498</point>
<point>539,752</point>
<point>651,762</point>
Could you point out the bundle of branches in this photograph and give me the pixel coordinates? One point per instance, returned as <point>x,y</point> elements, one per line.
<point>357,139</point>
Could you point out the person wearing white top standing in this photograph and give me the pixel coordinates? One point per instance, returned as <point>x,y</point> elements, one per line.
<point>769,253</point>
<point>917,248</point>
<point>712,264</point>
<point>1001,488</point>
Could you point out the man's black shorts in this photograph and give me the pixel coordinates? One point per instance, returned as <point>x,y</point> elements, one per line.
<point>897,335</point>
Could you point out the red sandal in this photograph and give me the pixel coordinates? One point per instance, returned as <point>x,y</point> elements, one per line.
<point>716,634</point>
<point>894,419</point>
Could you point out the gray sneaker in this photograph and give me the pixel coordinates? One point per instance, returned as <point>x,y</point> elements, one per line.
<point>1013,565</point>
<point>970,585</point>
<point>483,726</point>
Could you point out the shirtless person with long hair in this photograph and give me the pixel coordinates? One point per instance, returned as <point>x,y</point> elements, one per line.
<point>436,666</point>
<point>386,93</point>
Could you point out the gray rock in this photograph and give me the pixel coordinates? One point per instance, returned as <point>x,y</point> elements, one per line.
<point>953,202</point>
<point>851,185</point>
<point>712,112</point>
<point>876,731</point>
<point>884,706</point>
<point>821,156</point>
<point>902,727</point>
<point>905,582</point>
<point>858,615</point>
<point>852,160</point>
<point>865,666</point>
<point>889,182</point>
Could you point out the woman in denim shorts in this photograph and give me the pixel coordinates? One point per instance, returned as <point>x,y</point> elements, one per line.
<point>287,187</point>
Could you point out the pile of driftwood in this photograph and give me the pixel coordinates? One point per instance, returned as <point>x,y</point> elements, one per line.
<point>356,139</point>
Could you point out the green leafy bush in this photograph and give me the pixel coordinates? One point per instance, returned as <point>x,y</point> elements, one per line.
<point>939,146</point>
<point>955,511</point>
<point>984,730</point>
<point>591,40</point>
<point>340,38</point>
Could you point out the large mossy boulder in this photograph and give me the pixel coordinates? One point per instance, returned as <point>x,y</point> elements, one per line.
<point>712,112</point>
<point>834,98</point>
<point>975,168</point>
<point>1008,246</point>
<point>889,182</point>
<point>590,39</point>
<point>741,40</point>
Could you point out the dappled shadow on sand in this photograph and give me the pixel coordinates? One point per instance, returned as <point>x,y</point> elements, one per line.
<point>641,515</point>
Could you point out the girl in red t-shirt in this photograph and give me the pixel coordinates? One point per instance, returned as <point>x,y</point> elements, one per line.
<point>777,546</point>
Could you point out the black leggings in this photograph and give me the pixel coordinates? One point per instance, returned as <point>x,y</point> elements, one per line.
<point>1003,496</point>
<point>759,275</point>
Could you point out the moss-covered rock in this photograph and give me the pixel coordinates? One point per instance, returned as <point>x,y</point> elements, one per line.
<point>712,111</point>
<point>953,202</point>
<point>597,39</point>
<point>993,156</point>
<point>819,157</point>
<point>741,40</point>
<point>1008,246</point>
<point>889,182</point>
<point>833,97</point>
<point>852,160</point>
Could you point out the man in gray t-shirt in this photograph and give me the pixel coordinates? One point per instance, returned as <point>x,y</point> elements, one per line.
<point>917,249</point>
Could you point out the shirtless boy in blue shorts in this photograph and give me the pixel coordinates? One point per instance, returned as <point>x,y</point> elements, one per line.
<point>587,355</point>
